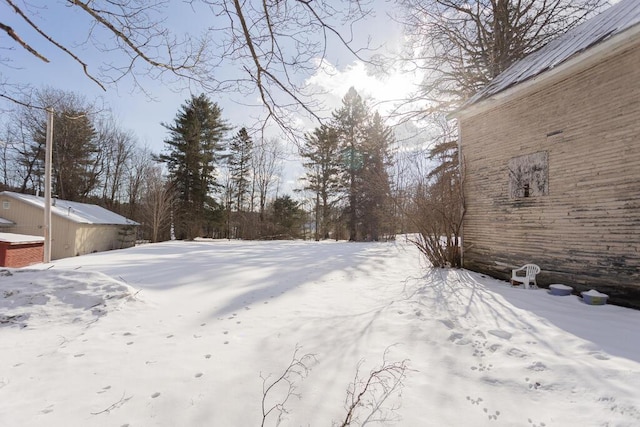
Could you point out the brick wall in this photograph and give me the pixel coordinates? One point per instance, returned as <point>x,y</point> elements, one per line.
<point>20,255</point>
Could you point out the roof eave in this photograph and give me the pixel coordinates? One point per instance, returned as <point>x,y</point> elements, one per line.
<point>584,59</point>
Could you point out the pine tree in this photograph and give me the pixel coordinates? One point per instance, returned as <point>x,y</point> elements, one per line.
<point>321,160</point>
<point>287,217</point>
<point>350,122</point>
<point>375,193</point>
<point>240,155</point>
<point>193,151</point>
<point>75,171</point>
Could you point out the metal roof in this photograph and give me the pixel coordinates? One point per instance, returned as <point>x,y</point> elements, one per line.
<point>74,211</point>
<point>613,21</point>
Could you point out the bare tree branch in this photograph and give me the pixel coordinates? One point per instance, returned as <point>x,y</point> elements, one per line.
<point>272,46</point>
<point>55,43</point>
<point>21,42</point>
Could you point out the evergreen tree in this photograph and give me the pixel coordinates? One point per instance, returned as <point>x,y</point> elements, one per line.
<point>287,216</point>
<point>350,122</point>
<point>75,166</point>
<point>240,155</point>
<point>193,150</point>
<point>375,194</point>
<point>321,160</point>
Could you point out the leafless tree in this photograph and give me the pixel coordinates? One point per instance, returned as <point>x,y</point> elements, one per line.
<point>156,204</point>
<point>435,208</point>
<point>462,45</point>
<point>267,167</point>
<point>5,163</point>
<point>117,147</point>
<point>267,43</point>
<point>76,159</point>
<point>140,165</point>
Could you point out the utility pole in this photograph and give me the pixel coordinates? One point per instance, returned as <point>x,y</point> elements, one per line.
<point>47,186</point>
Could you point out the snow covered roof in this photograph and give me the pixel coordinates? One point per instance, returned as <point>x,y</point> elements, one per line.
<point>613,21</point>
<point>20,238</point>
<point>82,213</point>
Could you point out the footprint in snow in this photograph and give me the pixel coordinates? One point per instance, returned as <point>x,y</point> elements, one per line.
<point>474,401</point>
<point>448,323</point>
<point>493,416</point>
<point>154,395</point>
<point>494,347</point>
<point>501,334</point>
<point>225,332</point>
<point>78,355</point>
<point>533,385</point>
<point>482,367</point>
<point>459,339</point>
<point>479,334</point>
<point>130,342</point>
<point>516,352</point>
<point>170,336</point>
<point>455,336</point>
<point>47,410</point>
<point>226,342</point>
<point>599,355</point>
<point>207,356</point>
<point>198,375</point>
<point>126,334</point>
<point>537,366</point>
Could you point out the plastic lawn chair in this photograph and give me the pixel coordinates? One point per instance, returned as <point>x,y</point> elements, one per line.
<point>529,277</point>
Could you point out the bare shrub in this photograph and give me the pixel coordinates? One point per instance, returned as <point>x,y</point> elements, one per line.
<point>298,369</point>
<point>367,397</point>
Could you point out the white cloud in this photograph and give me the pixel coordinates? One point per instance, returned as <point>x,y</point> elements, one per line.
<point>382,91</point>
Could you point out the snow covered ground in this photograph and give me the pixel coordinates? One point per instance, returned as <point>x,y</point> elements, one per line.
<point>183,333</point>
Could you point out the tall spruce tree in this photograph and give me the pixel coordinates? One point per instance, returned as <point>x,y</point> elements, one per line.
<point>350,122</point>
<point>321,160</point>
<point>74,155</point>
<point>240,155</point>
<point>375,195</point>
<point>76,166</point>
<point>193,151</point>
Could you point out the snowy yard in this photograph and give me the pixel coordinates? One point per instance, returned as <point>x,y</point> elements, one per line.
<point>182,333</point>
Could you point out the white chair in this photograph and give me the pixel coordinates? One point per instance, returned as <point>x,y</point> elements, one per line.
<point>529,277</point>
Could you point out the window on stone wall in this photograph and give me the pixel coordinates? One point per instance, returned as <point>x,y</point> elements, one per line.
<point>529,175</point>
